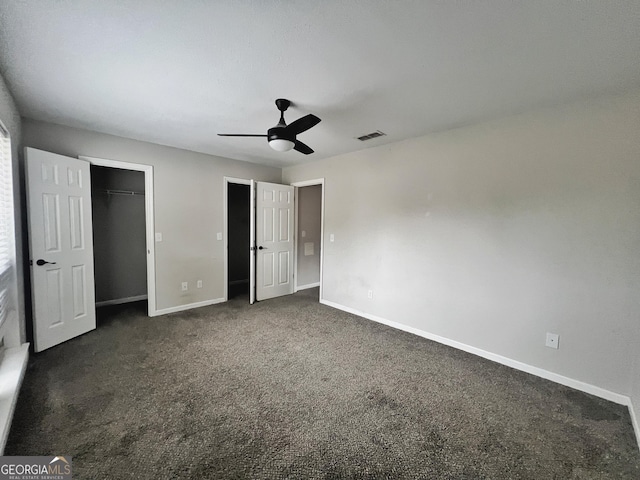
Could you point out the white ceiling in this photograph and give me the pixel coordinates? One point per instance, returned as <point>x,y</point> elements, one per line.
<point>176,73</point>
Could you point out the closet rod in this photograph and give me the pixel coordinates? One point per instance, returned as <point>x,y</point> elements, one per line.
<point>121,192</point>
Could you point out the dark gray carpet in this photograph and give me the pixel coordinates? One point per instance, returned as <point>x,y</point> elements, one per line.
<point>289,388</point>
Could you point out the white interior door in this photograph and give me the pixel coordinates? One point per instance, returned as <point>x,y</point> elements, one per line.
<point>60,247</point>
<point>274,239</point>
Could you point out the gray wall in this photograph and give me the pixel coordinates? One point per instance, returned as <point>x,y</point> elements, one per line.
<point>188,190</point>
<point>494,234</point>
<point>309,221</point>
<point>119,234</point>
<point>10,118</point>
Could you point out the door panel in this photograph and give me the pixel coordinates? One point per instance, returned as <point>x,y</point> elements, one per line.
<point>51,214</point>
<point>274,238</point>
<point>267,269</point>
<point>53,283</point>
<point>283,267</point>
<point>59,210</point>
<point>76,226</point>
<point>78,282</point>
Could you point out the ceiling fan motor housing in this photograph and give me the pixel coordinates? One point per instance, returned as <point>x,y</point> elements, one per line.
<point>280,132</point>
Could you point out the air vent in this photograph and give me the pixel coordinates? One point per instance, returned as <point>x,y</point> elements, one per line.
<point>369,136</point>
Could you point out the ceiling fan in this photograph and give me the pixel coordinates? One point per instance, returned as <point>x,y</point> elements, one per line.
<point>282,137</point>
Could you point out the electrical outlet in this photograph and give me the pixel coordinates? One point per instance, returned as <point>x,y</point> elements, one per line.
<point>185,286</point>
<point>219,235</point>
<point>370,294</point>
<point>553,340</point>
<point>199,285</point>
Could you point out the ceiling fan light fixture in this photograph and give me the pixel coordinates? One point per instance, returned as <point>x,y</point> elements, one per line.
<point>281,144</point>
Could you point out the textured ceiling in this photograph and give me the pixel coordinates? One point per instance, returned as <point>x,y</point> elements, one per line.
<point>177,73</point>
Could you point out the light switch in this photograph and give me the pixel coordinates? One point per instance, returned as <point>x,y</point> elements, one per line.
<point>304,233</point>
<point>219,235</point>
<point>331,238</point>
<point>158,237</point>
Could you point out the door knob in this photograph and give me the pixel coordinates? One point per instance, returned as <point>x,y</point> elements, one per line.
<point>40,262</point>
<point>261,248</point>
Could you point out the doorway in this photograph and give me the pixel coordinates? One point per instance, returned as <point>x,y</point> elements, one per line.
<point>238,218</point>
<point>123,187</point>
<point>119,238</point>
<point>241,241</point>
<point>309,247</point>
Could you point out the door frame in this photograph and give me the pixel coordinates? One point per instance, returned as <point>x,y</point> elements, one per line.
<point>308,183</point>
<point>149,220</point>
<point>225,226</point>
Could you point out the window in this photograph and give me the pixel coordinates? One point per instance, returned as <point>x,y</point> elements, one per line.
<point>7,247</point>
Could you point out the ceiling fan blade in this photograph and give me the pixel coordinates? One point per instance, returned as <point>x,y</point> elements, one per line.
<point>303,124</point>
<point>302,148</point>
<point>240,135</point>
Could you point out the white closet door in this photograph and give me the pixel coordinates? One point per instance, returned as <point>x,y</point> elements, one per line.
<point>60,246</point>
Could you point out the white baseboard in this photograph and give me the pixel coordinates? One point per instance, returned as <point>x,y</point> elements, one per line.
<point>13,365</point>
<point>309,285</point>
<point>189,306</point>
<point>634,420</point>
<point>539,372</point>
<point>119,301</point>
